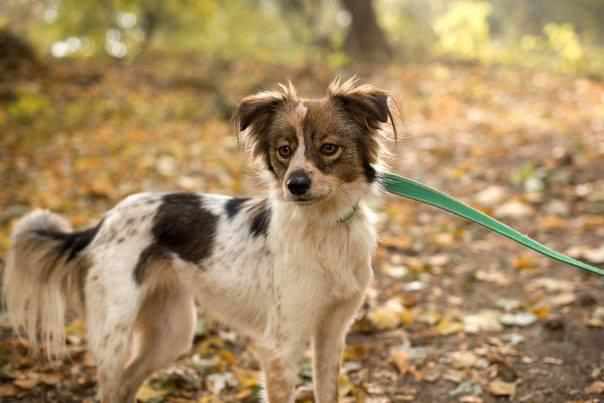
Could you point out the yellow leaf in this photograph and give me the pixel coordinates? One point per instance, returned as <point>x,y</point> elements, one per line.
<point>541,312</point>
<point>447,326</point>
<point>525,262</point>
<point>146,393</point>
<point>400,358</point>
<point>247,378</point>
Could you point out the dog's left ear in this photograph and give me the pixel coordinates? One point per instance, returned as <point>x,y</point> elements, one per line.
<point>364,103</point>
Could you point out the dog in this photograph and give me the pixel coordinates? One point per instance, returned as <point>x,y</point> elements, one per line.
<point>283,270</point>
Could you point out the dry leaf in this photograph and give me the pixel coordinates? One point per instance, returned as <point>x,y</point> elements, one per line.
<point>8,390</point>
<point>501,388</point>
<point>595,388</point>
<point>146,393</point>
<point>401,360</point>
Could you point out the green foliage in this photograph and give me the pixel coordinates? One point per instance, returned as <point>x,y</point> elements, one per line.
<point>550,34</point>
<point>238,29</point>
<point>27,107</point>
<point>464,30</point>
<point>563,39</point>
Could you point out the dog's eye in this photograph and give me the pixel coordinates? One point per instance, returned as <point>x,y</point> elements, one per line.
<point>284,151</point>
<point>329,149</point>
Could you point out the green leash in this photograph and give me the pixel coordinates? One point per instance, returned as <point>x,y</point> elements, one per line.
<point>400,186</point>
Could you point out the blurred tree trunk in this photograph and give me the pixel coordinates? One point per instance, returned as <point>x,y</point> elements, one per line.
<point>365,39</point>
<point>17,57</point>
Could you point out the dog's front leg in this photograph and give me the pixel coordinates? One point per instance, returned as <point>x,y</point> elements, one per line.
<point>280,371</point>
<point>328,342</point>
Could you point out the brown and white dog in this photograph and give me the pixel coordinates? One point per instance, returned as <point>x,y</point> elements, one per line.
<point>284,270</point>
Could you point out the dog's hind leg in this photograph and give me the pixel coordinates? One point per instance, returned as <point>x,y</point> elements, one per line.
<point>163,331</point>
<point>110,318</point>
<point>136,329</point>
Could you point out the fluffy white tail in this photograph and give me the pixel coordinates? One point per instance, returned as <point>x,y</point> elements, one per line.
<point>44,273</point>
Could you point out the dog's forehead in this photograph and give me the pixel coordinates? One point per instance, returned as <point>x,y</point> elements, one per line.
<point>313,114</point>
<point>296,115</point>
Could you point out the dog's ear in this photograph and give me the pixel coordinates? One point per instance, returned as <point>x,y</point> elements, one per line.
<point>257,109</point>
<point>365,104</point>
<point>254,117</point>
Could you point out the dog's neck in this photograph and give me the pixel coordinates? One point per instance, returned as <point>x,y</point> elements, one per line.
<point>340,210</point>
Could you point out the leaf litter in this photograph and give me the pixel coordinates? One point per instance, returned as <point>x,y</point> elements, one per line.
<point>455,314</point>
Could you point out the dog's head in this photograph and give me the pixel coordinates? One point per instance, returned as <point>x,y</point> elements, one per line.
<point>316,148</point>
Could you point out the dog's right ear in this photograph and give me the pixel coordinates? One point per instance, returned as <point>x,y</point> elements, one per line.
<point>254,117</point>
<point>258,109</point>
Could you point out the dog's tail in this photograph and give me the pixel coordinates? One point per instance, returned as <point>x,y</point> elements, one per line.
<point>44,275</point>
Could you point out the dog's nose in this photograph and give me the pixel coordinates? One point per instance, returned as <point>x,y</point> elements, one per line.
<point>298,183</point>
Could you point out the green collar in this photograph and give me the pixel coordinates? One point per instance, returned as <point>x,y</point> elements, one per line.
<point>346,218</point>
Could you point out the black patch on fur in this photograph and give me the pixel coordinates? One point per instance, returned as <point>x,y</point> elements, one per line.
<point>369,171</point>
<point>72,243</point>
<point>261,219</point>
<point>182,226</point>
<point>233,206</point>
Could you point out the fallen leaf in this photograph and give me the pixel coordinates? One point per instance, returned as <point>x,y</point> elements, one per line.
<point>514,209</point>
<point>387,316</point>
<point>147,393</point>
<point>400,358</point>
<point>27,383</point>
<point>8,390</point>
<point>490,196</point>
<point>466,388</point>
<point>553,361</point>
<point>466,359</point>
<point>525,262</point>
<point>562,299</point>
<point>501,388</point>
<point>395,271</point>
<point>595,388</point>
<point>51,379</point>
<point>448,326</point>
<point>521,319</point>
<point>216,383</point>
<point>484,321</point>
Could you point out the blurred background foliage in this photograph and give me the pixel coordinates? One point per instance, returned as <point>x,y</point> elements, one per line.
<point>561,35</point>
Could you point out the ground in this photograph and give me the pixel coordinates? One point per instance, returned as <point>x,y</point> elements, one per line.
<point>455,314</point>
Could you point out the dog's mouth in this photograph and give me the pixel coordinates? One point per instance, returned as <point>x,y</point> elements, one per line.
<point>307,200</point>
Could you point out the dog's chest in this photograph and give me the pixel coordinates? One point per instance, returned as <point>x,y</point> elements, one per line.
<point>330,262</point>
